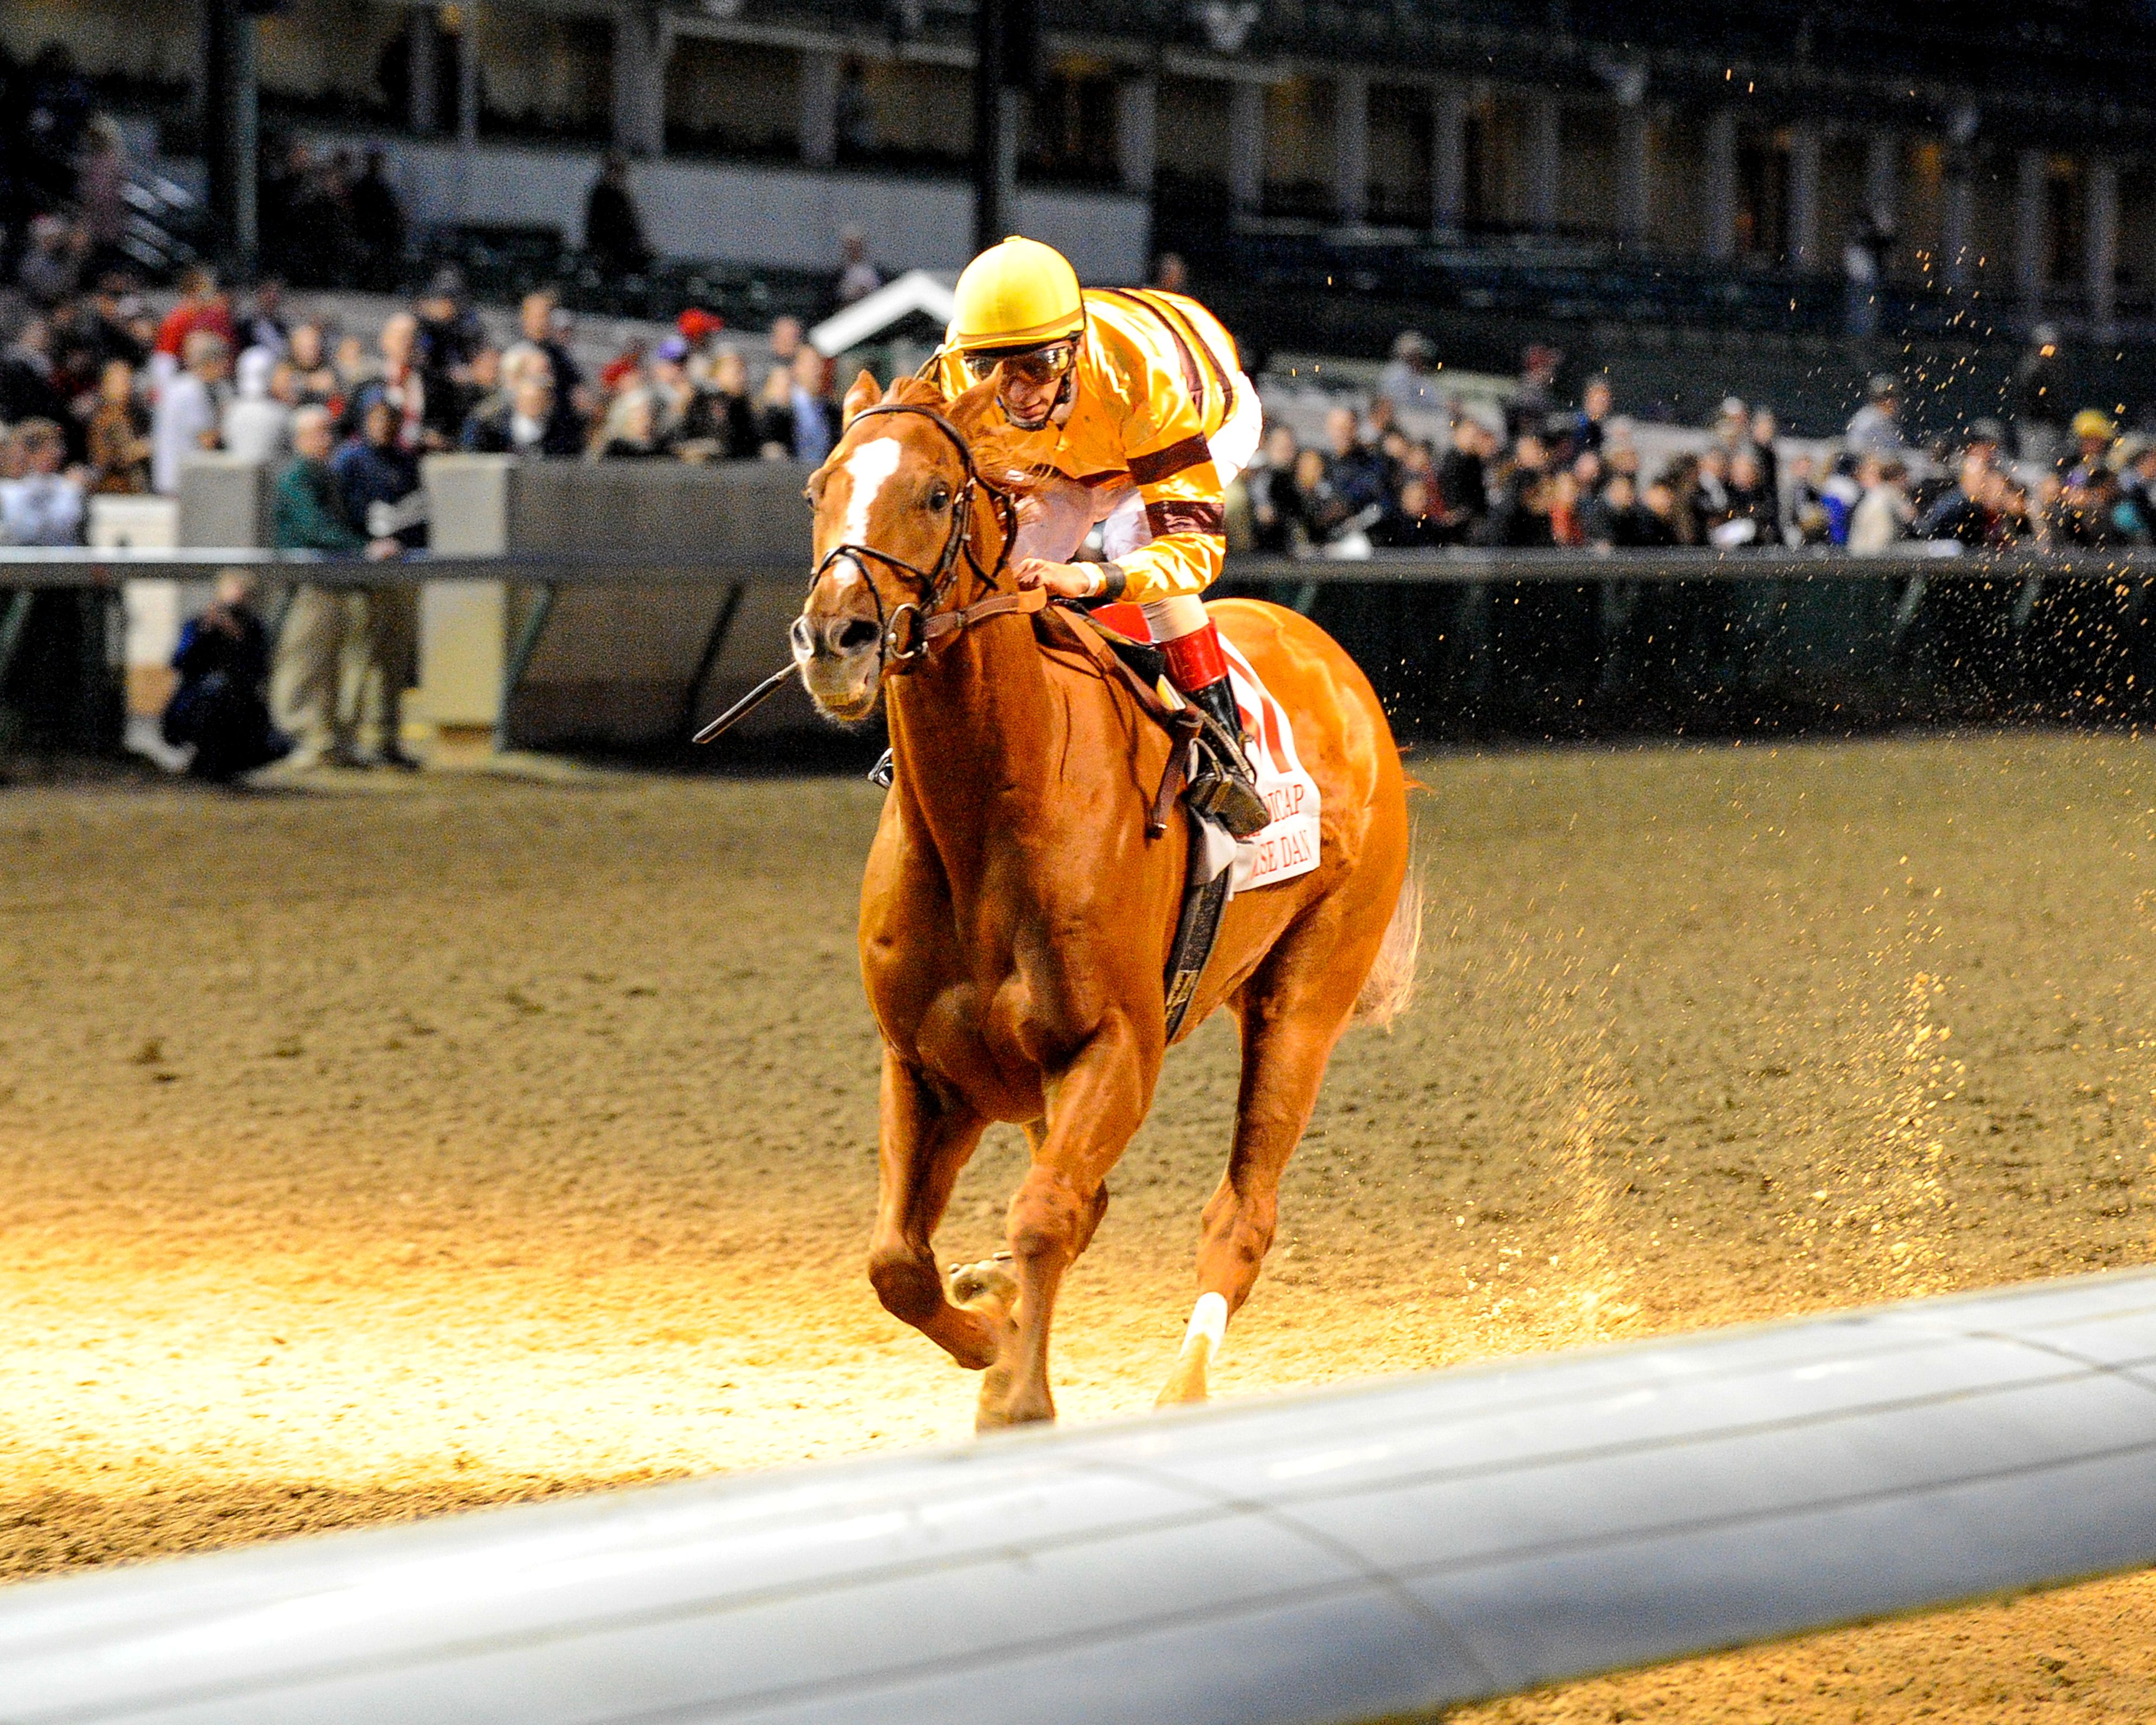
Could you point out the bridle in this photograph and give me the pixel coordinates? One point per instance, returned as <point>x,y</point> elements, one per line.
<point>927,625</point>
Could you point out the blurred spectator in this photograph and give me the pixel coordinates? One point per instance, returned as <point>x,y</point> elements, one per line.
<point>786,338</point>
<point>1356,472</point>
<point>531,419</point>
<point>377,225</point>
<point>1765,432</point>
<point>1961,512</point>
<point>2038,397</point>
<point>256,424</point>
<point>379,477</point>
<point>308,514</point>
<point>262,324</point>
<point>1323,513</point>
<point>799,419</point>
<point>1885,515</point>
<point>614,232</point>
<point>1875,427</point>
<point>201,305</point>
<point>44,505</point>
<point>1807,508</point>
<point>1751,513</point>
<point>28,383</point>
<point>2093,432</point>
<point>1463,477</point>
<point>1533,402</point>
<point>634,435</point>
<point>401,386</point>
<point>701,330</point>
<point>733,414</point>
<point>378,480</point>
<point>185,418</point>
<point>856,115</point>
<point>119,434</point>
<point>1277,527</point>
<point>1413,523</point>
<point>1589,426</point>
<point>101,191</point>
<point>52,127</point>
<point>536,320</point>
<point>221,708</point>
<point>314,378</point>
<point>52,266</point>
<point>858,278</point>
<point>1407,381</point>
<point>2094,512</point>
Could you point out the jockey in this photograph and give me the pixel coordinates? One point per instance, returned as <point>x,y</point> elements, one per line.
<point>1131,405</point>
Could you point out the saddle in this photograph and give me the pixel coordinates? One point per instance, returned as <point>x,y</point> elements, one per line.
<point>1142,668</point>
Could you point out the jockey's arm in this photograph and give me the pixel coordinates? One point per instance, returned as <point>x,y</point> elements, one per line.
<point>1187,518</point>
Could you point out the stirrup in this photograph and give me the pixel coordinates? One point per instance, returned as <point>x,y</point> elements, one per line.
<point>1222,789</point>
<point>885,770</point>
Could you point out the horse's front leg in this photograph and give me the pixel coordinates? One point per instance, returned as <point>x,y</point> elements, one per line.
<point>927,1137</point>
<point>1094,1106</point>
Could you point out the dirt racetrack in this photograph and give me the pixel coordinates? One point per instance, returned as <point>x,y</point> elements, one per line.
<point>364,1156</point>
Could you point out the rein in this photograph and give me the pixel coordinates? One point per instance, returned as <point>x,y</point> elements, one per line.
<point>928,625</point>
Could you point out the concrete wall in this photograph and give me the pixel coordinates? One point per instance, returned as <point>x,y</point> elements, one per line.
<point>748,214</point>
<point>614,665</point>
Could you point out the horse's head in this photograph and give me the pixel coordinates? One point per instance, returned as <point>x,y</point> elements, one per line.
<point>894,505</point>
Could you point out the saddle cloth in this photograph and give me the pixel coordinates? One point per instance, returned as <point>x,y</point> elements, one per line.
<point>1288,847</point>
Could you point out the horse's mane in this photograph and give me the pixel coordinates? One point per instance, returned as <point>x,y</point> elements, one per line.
<point>992,440</point>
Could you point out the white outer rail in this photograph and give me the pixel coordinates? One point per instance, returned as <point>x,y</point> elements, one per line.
<point>1324,1558</point>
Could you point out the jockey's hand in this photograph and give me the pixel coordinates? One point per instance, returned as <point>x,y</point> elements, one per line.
<point>1070,581</point>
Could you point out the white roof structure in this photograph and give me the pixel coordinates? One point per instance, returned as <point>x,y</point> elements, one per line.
<point>893,303</point>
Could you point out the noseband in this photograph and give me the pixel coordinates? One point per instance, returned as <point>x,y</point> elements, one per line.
<point>926,624</point>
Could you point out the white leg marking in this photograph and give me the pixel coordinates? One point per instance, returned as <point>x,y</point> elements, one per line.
<point>1207,1318</point>
<point>868,467</point>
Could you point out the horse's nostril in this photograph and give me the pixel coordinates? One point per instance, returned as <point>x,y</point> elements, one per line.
<point>857,634</point>
<point>802,636</point>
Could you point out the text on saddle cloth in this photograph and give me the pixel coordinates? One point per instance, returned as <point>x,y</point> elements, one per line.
<point>1288,846</point>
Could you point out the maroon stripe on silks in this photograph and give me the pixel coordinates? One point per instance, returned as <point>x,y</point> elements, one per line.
<point>1186,517</point>
<point>1166,464</point>
<point>1212,359</point>
<point>1191,379</point>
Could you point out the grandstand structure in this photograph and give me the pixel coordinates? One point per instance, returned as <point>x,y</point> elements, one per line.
<point>1683,163</point>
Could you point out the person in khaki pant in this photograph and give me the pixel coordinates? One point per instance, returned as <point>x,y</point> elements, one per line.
<point>307,514</point>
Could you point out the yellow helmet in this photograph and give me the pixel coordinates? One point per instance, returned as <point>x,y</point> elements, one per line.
<point>2092,422</point>
<point>1019,294</point>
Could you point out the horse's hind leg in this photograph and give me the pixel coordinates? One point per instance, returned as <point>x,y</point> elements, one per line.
<point>926,1141</point>
<point>1292,1012</point>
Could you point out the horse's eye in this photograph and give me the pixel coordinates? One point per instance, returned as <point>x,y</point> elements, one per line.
<point>939,499</point>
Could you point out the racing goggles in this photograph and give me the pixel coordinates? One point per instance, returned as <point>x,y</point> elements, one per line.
<point>1037,366</point>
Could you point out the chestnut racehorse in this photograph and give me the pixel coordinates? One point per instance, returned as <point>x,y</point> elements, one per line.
<point>1016,918</point>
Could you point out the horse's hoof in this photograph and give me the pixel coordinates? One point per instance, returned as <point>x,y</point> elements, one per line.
<point>986,1287</point>
<point>998,1410</point>
<point>1186,1383</point>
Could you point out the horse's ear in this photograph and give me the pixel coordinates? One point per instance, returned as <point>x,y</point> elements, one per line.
<point>866,393</point>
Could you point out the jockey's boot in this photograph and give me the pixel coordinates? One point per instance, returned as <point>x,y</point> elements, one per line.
<point>1222,788</point>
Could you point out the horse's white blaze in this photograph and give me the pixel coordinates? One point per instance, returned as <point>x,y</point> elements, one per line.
<point>1208,1319</point>
<point>868,467</point>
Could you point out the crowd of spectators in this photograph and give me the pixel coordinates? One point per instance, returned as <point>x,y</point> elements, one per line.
<point>1533,472</point>
<point>98,394</point>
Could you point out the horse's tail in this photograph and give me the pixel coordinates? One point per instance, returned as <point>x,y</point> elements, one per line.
<point>1390,989</point>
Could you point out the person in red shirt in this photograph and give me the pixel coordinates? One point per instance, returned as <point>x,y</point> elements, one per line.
<point>202,307</point>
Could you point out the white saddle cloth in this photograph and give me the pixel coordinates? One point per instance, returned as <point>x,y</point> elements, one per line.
<point>1288,846</point>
